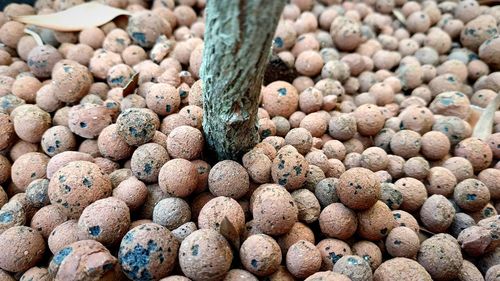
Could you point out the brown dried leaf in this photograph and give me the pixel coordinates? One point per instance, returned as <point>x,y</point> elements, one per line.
<point>484,125</point>
<point>228,230</point>
<point>131,85</point>
<point>75,18</point>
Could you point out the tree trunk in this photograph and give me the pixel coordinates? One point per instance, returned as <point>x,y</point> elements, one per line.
<point>238,38</point>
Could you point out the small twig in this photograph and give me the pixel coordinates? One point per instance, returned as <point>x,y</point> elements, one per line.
<point>35,36</point>
<point>131,85</point>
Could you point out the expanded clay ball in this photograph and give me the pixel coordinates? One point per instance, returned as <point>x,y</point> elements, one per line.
<point>289,168</point>
<point>490,178</point>
<point>258,166</point>
<point>374,159</point>
<point>437,213</point>
<point>471,195</point>
<point>440,181</point>
<point>163,99</point>
<point>301,139</point>
<point>48,218</point>
<point>303,259</point>
<point>42,59</point>
<point>37,163</point>
<point>401,268</point>
<point>376,222</point>
<point>12,214</point>
<point>137,125</point>
<point>460,167</point>
<point>145,26</point>
<point>26,87</point>
<point>435,145</point>
<point>36,273</point>
<point>369,119</point>
<point>30,122</point>
<point>280,99</point>
<point>327,275</point>
<point>354,267</point>
<point>274,210</point>
<point>476,151</point>
<point>58,139</point>
<point>402,242</point>
<point>119,75</point>
<point>358,188</point>
<point>7,128</point>
<point>416,167</point>
<point>148,251</point>
<point>23,247</point>
<point>147,161</point>
<point>334,149</point>
<point>308,206</point>
<point>309,63</point>
<point>205,255</point>
<point>228,178</point>
<point>237,274</point>
<point>217,210</point>
<point>64,158</point>
<point>493,273</point>
<point>88,120</point>
<point>338,221</point>
<point>440,255</point>
<point>71,81</point>
<point>260,255</point>
<point>112,145</point>
<point>390,196</point>
<point>108,229</point>
<point>77,185</point>
<point>171,213</point>
<point>406,143</point>
<point>369,251</point>
<point>131,191</point>
<point>178,177</point>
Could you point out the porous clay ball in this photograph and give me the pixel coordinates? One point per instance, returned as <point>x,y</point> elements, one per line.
<point>83,260</point>
<point>338,221</point>
<point>374,159</point>
<point>148,251</point>
<point>178,177</point>
<point>440,181</point>
<point>147,161</point>
<point>274,210</point>
<point>402,242</point>
<point>77,185</point>
<point>71,82</point>
<point>63,235</point>
<point>369,119</point>
<point>307,204</point>
<point>471,195</point>
<point>437,213</point>
<point>342,127</point>
<point>358,188</point>
<point>490,178</point>
<point>228,178</point>
<point>184,231</point>
<point>36,273</point>
<point>47,218</point>
<point>440,255</point>
<point>41,60</point>
<point>163,99</point>
<point>416,167</point>
<point>309,63</point>
<point>289,168</point>
<point>137,125</point>
<point>112,145</point>
<point>171,213</point>
<point>354,267</point>
<point>326,276</point>
<point>21,176</point>
<point>376,222</point>
<point>369,251</point>
<point>390,196</point>
<point>58,139</point>
<point>237,274</point>
<point>413,191</point>
<point>280,99</point>
<point>108,229</point>
<point>8,133</point>
<point>435,145</point>
<point>401,268</point>
<point>258,166</point>
<point>205,255</point>
<point>303,259</point>
<point>88,120</point>
<point>260,255</point>
<point>476,151</point>
<point>23,247</point>
<point>64,158</point>
<point>299,138</point>
<point>406,143</point>
<point>30,122</point>
<point>215,211</point>
<point>460,167</point>
<point>144,27</point>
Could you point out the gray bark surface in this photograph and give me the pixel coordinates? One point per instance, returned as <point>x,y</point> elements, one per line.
<point>238,37</point>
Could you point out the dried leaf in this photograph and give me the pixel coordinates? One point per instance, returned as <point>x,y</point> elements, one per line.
<point>35,36</point>
<point>75,18</point>
<point>484,125</point>
<point>228,230</point>
<point>131,85</point>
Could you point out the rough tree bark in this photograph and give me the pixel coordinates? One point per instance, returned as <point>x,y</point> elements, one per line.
<point>238,37</point>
